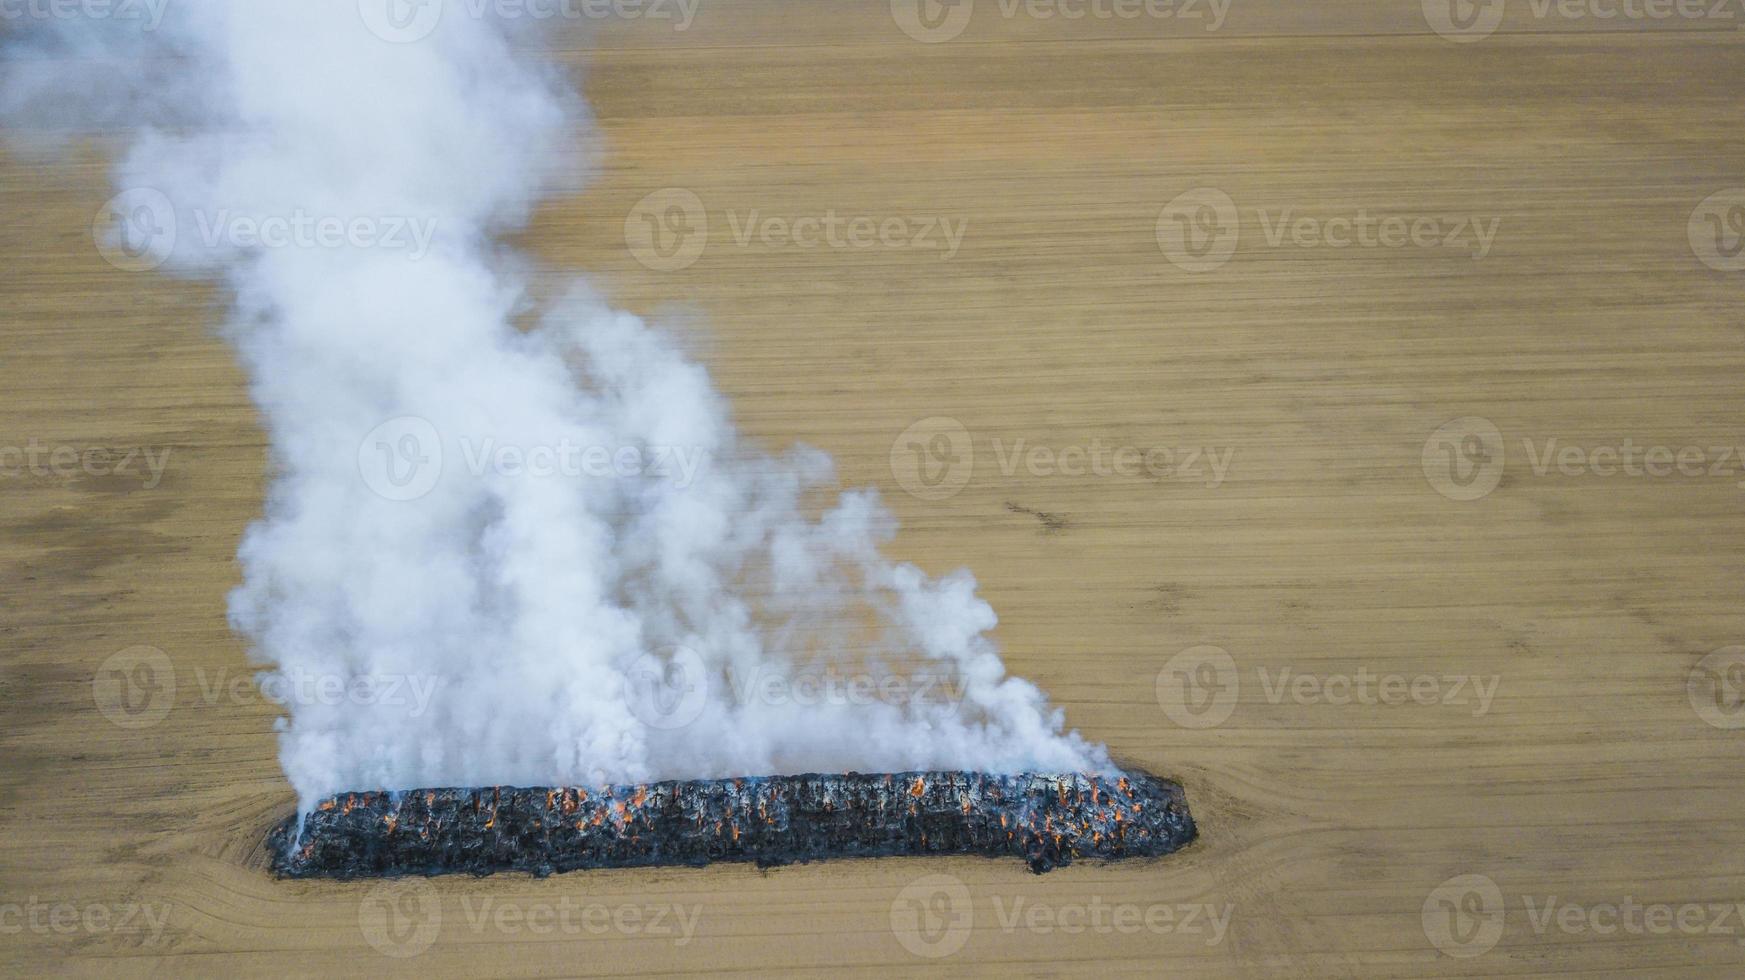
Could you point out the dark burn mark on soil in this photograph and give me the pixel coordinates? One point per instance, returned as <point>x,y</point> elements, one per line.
<point>1051,523</point>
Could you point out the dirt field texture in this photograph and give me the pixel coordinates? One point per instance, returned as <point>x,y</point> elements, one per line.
<point>1336,401</point>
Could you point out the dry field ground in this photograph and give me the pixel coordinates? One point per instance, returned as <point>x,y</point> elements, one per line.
<point>1415,560</point>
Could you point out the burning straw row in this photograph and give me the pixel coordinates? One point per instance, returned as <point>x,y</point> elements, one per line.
<point>1048,820</point>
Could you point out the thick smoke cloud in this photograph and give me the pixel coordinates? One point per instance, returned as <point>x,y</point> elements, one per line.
<point>494,555</point>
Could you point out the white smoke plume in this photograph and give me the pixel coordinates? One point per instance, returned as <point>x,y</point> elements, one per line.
<point>494,555</point>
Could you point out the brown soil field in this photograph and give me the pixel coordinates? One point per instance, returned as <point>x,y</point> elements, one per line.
<point>1331,524</point>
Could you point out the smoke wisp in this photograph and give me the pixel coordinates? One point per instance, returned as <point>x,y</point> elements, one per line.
<point>553,536</point>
